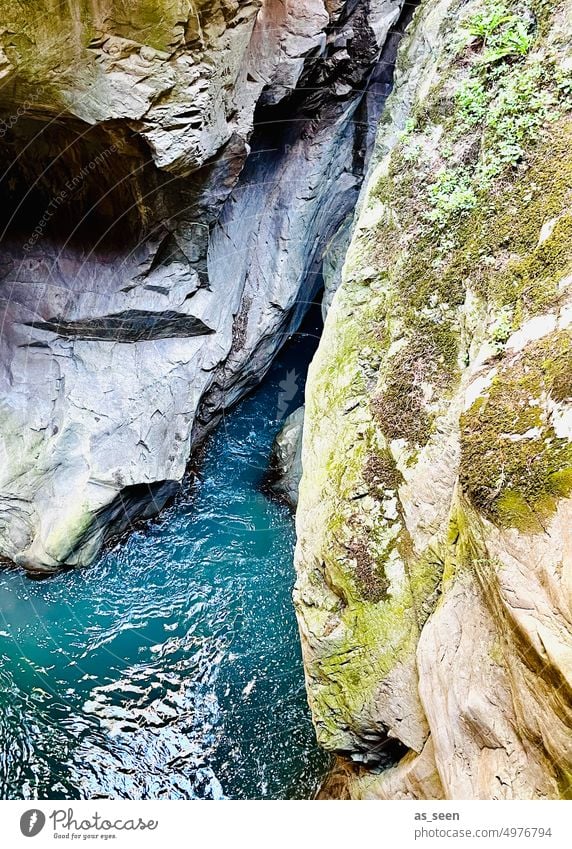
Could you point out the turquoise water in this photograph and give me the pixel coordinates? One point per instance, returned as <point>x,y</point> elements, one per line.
<point>171,668</point>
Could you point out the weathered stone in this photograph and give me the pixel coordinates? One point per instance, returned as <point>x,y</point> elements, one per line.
<point>286,459</point>
<point>433,560</point>
<point>152,264</point>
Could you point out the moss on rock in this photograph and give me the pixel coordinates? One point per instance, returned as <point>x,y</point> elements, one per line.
<point>463,236</point>
<point>514,466</point>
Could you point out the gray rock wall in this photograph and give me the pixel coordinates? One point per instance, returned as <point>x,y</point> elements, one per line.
<point>157,250</point>
<point>286,459</point>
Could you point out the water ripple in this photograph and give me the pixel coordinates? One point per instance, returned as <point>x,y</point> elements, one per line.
<point>171,668</point>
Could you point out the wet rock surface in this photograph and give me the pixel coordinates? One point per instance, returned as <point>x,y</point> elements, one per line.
<point>286,459</point>
<point>171,183</point>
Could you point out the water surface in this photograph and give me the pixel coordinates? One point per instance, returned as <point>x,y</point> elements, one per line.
<point>171,668</point>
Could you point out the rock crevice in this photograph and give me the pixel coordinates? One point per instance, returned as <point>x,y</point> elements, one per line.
<point>172,177</point>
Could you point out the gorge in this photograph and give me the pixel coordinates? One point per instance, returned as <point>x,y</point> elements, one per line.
<point>120,294</point>
<point>181,181</point>
<point>149,674</point>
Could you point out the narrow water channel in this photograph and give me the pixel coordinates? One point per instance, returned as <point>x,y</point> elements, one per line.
<point>171,668</point>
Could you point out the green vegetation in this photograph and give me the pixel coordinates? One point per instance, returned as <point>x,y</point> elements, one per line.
<point>507,265</point>
<point>472,100</point>
<point>525,103</point>
<point>514,467</point>
<point>370,640</point>
<point>501,34</point>
<point>470,206</point>
<point>458,205</point>
<point>511,99</point>
<point>452,194</point>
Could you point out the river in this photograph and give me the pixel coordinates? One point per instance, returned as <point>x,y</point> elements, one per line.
<point>170,668</point>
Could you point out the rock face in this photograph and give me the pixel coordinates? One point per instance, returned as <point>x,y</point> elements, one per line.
<point>286,459</point>
<point>174,172</point>
<point>434,553</point>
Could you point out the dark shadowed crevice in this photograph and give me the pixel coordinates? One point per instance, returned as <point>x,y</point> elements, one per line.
<point>128,326</point>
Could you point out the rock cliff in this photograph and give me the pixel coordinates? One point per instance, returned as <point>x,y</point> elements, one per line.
<point>174,172</point>
<point>179,180</point>
<point>434,559</point>
<point>285,468</point>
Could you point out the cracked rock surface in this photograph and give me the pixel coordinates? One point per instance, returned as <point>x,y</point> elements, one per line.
<point>173,173</point>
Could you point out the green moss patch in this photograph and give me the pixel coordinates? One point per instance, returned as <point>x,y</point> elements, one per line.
<point>513,466</point>
<point>464,234</point>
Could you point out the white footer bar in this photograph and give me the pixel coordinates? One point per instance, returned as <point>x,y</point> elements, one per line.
<point>304,825</point>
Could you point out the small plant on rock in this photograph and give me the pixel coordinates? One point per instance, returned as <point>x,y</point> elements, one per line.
<point>501,34</point>
<point>513,41</point>
<point>483,25</point>
<point>452,196</point>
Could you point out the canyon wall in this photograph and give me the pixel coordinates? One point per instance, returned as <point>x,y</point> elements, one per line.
<point>179,180</point>
<point>173,173</point>
<point>434,559</point>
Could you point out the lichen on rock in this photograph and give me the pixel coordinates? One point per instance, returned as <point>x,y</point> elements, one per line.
<point>433,565</point>
<point>516,441</point>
